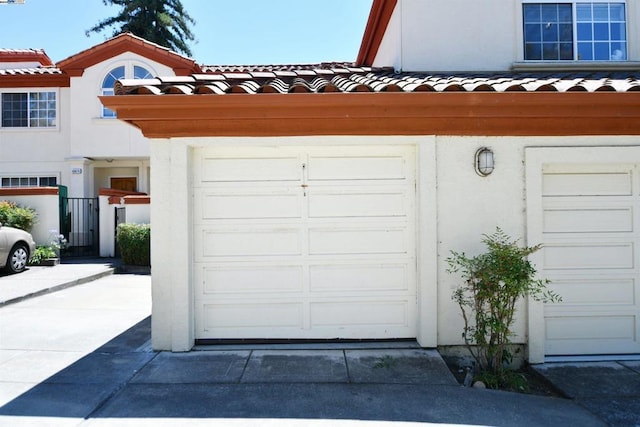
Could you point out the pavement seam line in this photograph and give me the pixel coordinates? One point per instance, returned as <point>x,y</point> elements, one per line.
<point>346,366</point>
<point>57,288</point>
<point>118,389</point>
<point>244,368</point>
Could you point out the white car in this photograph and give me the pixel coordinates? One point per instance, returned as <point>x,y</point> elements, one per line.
<point>16,247</point>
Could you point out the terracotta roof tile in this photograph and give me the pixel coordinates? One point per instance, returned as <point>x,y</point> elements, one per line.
<point>30,71</point>
<point>344,77</point>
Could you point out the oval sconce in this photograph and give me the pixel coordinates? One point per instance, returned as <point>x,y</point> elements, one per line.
<point>484,161</point>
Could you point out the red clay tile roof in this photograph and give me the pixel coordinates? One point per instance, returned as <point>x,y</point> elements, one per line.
<point>127,42</point>
<point>347,78</point>
<point>30,71</point>
<point>25,55</point>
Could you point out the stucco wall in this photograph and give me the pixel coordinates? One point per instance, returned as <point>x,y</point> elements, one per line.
<point>455,206</point>
<point>38,151</point>
<point>459,35</point>
<point>47,225</point>
<point>105,138</point>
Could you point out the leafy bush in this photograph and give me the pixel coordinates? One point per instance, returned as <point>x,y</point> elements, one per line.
<point>52,250</point>
<point>41,253</point>
<point>13,215</point>
<point>493,282</point>
<point>135,243</point>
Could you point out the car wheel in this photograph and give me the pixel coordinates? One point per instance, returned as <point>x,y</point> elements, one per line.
<point>18,258</point>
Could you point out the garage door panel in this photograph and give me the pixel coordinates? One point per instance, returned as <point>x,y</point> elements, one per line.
<point>325,168</point>
<point>359,277</point>
<point>340,203</point>
<point>591,335</point>
<point>252,205</point>
<point>272,315</point>
<point>251,242</point>
<point>250,169</point>
<point>591,328</point>
<point>599,293</point>
<point>588,256</point>
<point>250,278</point>
<point>587,184</point>
<point>359,313</point>
<point>349,241</point>
<point>588,220</point>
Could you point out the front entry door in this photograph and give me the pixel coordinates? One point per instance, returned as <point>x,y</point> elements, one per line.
<point>125,183</point>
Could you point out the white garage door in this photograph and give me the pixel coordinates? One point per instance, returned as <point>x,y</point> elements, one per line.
<point>591,222</point>
<point>304,242</point>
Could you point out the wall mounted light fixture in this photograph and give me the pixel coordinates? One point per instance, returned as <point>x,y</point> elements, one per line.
<point>484,161</point>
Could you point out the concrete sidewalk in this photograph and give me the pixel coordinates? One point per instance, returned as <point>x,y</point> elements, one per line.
<point>81,356</point>
<point>36,281</point>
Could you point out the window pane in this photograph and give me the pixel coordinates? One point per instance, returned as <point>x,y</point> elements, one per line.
<point>600,12</point>
<point>585,31</point>
<point>601,51</point>
<point>618,51</point>
<point>601,31</point>
<point>550,51</point>
<point>533,51</point>
<point>549,13</point>
<point>532,13</point>
<point>616,12</point>
<point>550,33</point>
<point>532,33</point>
<point>110,79</point>
<point>583,12</point>
<point>566,51</point>
<point>564,13</point>
<point>48,181</point>
<point>14,110</point>
<point>566,32</point>
<point>141,73</point>
<point>618,32</point>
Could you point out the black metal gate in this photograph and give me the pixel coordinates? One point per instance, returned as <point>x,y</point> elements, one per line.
<point>79,224</point>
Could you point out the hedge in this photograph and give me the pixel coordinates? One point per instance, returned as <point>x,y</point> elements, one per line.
<point>134,241</point>
<point>13,215</point>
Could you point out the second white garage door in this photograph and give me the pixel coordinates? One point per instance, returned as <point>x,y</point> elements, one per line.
<point>591,231</point>
<point>304,242</point>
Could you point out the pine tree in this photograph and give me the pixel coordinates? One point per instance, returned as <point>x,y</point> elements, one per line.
<point>164,22</point>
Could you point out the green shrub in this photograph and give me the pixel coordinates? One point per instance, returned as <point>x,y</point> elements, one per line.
<point>135,243</point>
<point>492,284</point>
<point>52,250</point>
<point>13,215</point>
<point>41,253</point>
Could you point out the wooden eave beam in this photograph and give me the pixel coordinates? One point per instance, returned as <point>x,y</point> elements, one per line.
<point>34,80</point>
<point>444,113</point>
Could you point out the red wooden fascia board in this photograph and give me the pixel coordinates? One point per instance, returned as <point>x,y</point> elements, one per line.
<point>379,17</point>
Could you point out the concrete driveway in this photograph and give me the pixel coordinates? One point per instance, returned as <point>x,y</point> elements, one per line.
<point>81,356</point>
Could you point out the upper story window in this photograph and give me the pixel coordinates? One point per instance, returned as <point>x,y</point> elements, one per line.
<point>575,31</point>
<point>118,73</point>
<point>28,109</point>
<point>28,181</point>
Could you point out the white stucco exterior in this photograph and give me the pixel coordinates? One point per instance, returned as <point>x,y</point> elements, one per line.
<point>455,207</point>
<point>83,150</point>
<point>458,35</point>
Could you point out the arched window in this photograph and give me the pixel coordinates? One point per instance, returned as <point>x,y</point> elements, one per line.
<point>118,73</point>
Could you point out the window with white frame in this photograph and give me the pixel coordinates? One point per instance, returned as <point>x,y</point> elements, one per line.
<point>575,31</point>
<point>121,72</point>
<point>28,109</point>
<point>28,181</point>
